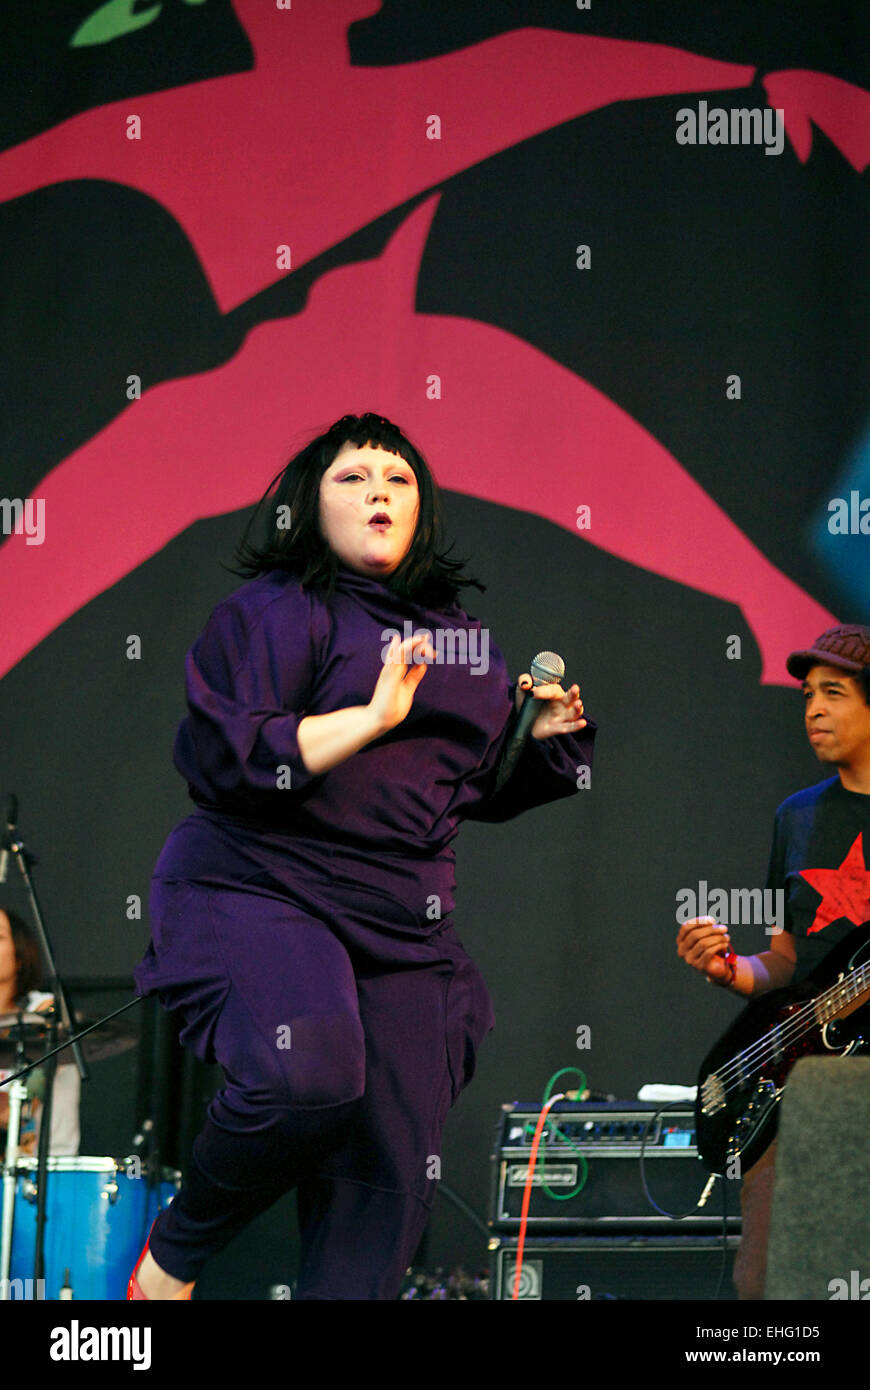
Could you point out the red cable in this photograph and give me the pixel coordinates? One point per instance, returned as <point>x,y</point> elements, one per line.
<point>527,1194</point>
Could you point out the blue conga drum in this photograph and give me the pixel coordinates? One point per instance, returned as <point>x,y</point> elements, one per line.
<point>97,1217</point>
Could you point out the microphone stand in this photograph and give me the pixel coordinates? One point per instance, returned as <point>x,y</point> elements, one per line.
<point>42,1156</point>
<point>17,1097</point>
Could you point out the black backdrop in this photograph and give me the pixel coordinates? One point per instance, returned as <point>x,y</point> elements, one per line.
<point>703,266</point>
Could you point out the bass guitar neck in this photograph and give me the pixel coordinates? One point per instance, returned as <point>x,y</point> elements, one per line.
<point>742,1078</point>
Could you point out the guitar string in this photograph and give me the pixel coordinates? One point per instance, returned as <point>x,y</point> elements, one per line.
<point>800,1023</point>
<point>764,1049</point>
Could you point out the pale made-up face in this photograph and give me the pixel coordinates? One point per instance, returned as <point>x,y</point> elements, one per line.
<point>837,718</point>
<point>361,485</point>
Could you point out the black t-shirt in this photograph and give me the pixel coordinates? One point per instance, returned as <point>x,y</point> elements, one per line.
<point>818,858</point>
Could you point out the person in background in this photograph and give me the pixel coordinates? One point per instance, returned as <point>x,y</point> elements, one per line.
<point>20,977</point>
<point>819,863</point>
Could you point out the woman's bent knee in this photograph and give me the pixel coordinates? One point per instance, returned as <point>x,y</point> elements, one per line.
<point>312,1062</point>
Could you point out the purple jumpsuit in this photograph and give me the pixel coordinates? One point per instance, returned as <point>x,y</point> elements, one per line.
<point>301,922</point>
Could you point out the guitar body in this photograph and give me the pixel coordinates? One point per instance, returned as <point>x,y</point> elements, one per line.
<point>741,1079</point>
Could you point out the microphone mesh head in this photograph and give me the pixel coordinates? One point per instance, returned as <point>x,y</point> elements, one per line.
<point>547,667</point>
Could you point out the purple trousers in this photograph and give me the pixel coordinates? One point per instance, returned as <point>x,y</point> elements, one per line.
<point>346,1027</point>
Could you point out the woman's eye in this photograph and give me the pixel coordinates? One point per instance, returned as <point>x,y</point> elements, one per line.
<point>397,478</point>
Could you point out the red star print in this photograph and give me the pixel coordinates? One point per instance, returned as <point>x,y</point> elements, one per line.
<point>845,891</point>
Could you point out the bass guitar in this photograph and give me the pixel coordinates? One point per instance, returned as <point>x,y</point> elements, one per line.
<point>741,1080</point>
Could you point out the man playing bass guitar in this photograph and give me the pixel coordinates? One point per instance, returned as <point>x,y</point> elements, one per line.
<point>820,859</point>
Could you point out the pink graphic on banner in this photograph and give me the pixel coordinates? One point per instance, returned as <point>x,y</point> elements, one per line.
<point>839,108</point>
<point>306,149</point>
<point>205,445</point>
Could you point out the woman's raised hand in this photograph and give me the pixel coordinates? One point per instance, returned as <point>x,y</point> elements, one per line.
<point>560,713</point>
<point>397,684</point>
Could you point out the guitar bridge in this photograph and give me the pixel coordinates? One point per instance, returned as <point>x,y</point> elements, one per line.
<point>712,1095</point>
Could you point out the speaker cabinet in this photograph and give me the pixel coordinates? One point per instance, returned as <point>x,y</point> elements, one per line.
<point>590,1268</point>
<point>819,1245</point>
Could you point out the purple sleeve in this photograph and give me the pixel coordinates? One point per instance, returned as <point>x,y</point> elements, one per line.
<point>547,769</point>
<point>249,676</point>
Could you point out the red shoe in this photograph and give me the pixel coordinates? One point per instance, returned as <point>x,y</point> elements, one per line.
<point>134,1291</point>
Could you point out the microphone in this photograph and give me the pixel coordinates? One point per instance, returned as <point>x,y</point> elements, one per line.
<point>11,818</point>
<point>546,669</point>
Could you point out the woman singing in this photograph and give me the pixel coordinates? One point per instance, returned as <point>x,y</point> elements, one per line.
<point>343,720</point>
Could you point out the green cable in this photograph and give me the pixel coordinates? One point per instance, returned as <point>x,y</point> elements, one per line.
<point>564,1196</point>
<point>555,1077</point>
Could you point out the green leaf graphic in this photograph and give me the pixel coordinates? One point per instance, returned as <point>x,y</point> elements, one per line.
<point>112,21</point>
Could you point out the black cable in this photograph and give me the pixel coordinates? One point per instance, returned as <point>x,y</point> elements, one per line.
<point>724,1262</point>
<point>74,1038</point>
<point>673,1216</point>
<point>464,1207</point>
